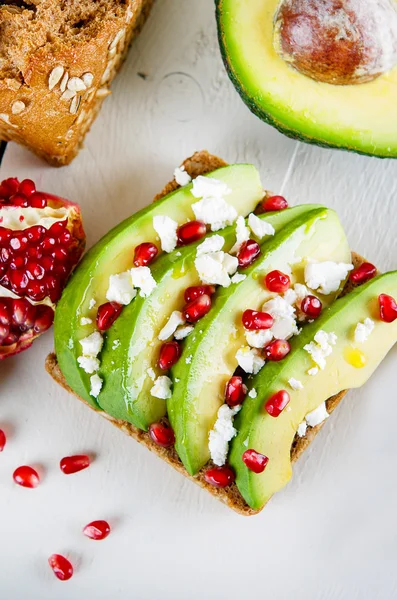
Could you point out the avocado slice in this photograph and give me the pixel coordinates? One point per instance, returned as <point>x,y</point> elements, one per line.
<point>132,345</point>
<point>349,366</point>
<point>209,359</point>
<point>340,116</point>
<point>114,253</point>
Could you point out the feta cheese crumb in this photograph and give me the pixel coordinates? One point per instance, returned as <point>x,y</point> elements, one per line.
<point>92,304</point>
<point>252,393</point>
<point>258,338</point>
<point>249,359</point>
<point>151,373</point>
<point>212,268</point>
<point>317,416</point>
<point>238,277</point>
<point>142,278</point>
<point>211,244</point>
<point>260,227</point>
<point>327,276</point>
<point>215,212</point>
<point>162,388</point>
<point>222,433</point>
<point>85,321</point>
<point>230,263</point>
<point>166,229</point>
<point>242,235</point>
<point>182,332</point>
<point>363,331</point>
<point>321,348</point>
<point>92,344</point>
<point>295,384</point>
<point>116,344</point>
<point>302,429</point>
<point>181,176</point>
<point>171,326</point>
<point>96,385</point>
<point>89,364</point>
<point>312,372</point>
<point>209,187</point>
<point>121,289</point>
<point>283,314</point>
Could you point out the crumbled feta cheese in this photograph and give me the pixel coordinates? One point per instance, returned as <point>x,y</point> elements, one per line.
<point>166,229</point>
<point>121,289</point>
<point>258,338</point>
<point>249,359</point>
<point>327,276</point>
<point>260,227</point>
<point>222,433</point>
<point>230,263</point>
<point>162,388</point>
<point>96,385</point>
<point>92,304</point>
<point>151,373</point>
<point>89,364</point>
<point>92,344</point>
<point>211,269</point>
<point>317,416</point>
<point>172,324</point>
<point>283,314</point>
<point>302,429</point>
<point>238,277</point>
<point>295,384</point>
<point>188,360</point>
<point>252,393</point>
<point>321,347</point>
<point>363,331</point>
<point>208,187</point>
<point>215,212</point>
<point>181,176</point>
<point>116,344</point>
<point>182,332</point>
<point>211,244</point>
<point>312,372</point>
<point>85,321</point>
<point>242,235</point>
<point>142,278</point>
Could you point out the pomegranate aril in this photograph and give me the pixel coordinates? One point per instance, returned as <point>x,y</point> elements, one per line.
<point>220,477</point>
<point>44,318</point>
<point>65,238</point>
<point>26,477</point>
<point>107,314</point>
<point>248,253</point>
<point>277,350</point>
<point>19,281</point>
<point>235,391</point>
<point>3,440</point>
<point>274,203</point>
<point>47,263</point>
<point>197,309</point>
<point>278,282</point>
<point>169,355</point>
<point>61,566</point>
<point>9,187</point>
<point>162,434</point>
<point>19,200</point>
<point>17,262</point>
<point>194,292</point>
<point>36,200</point>
<point>57,229</point>
<point>74,464</point>
<point>363,273</point>
<point>254,320</point>
<point>5,312</point>
<point>255,461</point>
<point>311,306</point>
<point>34,270</point>
<point>192,231</point>
<point>387,308</point>
<point>144,254</point>
<point>19,242</point>
<point>48,244</point>
<point>276,404</point>
<point>4,332</point>
<point>37,291</point>
<point>35,233</point>
<point>23,313</point>
<point>97,530</point>
<point>5,235</point>
<point>26,187</point>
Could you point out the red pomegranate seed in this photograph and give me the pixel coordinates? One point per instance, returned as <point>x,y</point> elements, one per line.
<point>26,477</point>
<point>311,306</point>
<point>44,318</point>
<point>61,566</point>
<point>387,308</point>
<point>220,477</point>
<point>26,187</point>
<point>277,350</point>
<point>192,231</point>
<point>274,203</point>
<point>278,282</point>
<point>19,200</point>
<point>23,313</point>
<point>276,404</point>
<point>9,187</point>
<point>255,461</point>
<point>145,254</point>
<point>194,292</point>
<point>3,440</point>
<point>363,273</point>
<point>235,391</point>
<point>248,253</point>
<point>169,355</point>
<point>254,320</point>
<point>35,233</point>
<point>197,309</point>
<point>37,291</point>
<point>97,530</point>
<point>74,464</point>
<point>37,200</point>
<point>107,314</point>
<point>162,435</point>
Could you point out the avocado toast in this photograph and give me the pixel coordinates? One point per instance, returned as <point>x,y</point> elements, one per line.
<point>231,494</point>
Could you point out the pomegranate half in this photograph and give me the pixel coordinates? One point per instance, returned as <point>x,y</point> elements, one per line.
<point>41,240</point>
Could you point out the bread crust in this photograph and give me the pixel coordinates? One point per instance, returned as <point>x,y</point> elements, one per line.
<point>199,164</point>
<point>52,127</point>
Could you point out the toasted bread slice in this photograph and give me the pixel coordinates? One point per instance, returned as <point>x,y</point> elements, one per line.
<point>199,164</point>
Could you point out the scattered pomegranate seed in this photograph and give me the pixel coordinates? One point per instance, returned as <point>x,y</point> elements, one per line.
<point>235,391</point>
<point>169,355</point>
<point>254,320</point>
<point>278,282</point>
<point>220,477</point>
<point>387,308</point>
<point>26,187</point>
<point>194,292</point>
<point>274,203</point>
<point>311,306</point>
<point>162,435</point>
<point>363,273</point>
<point>107,314</point>
<point>276,404</point>
<point>145,254</point>
<point>97,530</point>
<point>61,566</point>
<point>3,440</point>
<point>255,461</point>
<point>192,231</point>
<point>197,309</point>
<point>277,350</point>
<point>248,253</point>
<point>26,477</point>
<point>74,464</point>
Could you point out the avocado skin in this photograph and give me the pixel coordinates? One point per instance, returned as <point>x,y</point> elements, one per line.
<point>266,117</point>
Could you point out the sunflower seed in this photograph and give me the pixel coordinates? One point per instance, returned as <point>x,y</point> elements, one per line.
<point>18,107</point>
<point>64,81</point>
<point>88,78</point>
<point>117,39</point>
<point>102,92</point>
<point>68,95</point>
<point>4,117</point>
<point>74,105</point>
<point>112,52</point>
<point>55,76</point>
<point>75,84</point>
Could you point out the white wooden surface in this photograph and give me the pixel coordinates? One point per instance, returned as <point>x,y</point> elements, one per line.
<point>331,534</point>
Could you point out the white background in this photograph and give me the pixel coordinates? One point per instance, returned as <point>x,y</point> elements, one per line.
<point>331,534</point>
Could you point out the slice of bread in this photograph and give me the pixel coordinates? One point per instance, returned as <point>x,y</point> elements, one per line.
<point>199,164</point>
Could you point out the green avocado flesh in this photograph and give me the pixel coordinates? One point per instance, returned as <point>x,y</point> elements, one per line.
<point>340,116</point>
<point>209,359</point>
<point>132,345</point>
<point>349,366</point>
<point>114,254</point>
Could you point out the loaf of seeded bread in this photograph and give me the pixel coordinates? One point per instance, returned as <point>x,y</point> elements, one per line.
<point>57,60</point>
<point>199,164</point>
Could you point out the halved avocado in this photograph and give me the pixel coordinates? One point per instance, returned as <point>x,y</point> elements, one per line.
<point>132,345</point>
<point>209,355</point>
<point>114,254</point>
<point>349,366</point>
<point>341,116</point>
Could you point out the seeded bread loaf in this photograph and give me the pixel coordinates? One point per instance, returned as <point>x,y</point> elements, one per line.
<point>199,164</point>
<point>57,60</point>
